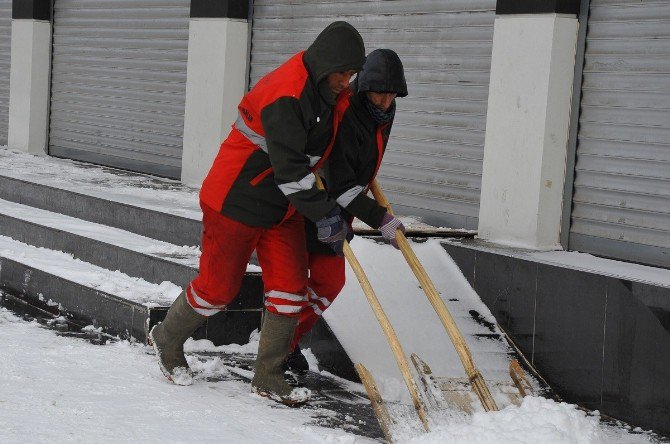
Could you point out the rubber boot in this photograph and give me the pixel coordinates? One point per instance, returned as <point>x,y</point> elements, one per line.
<point>276,336</point>
<point>168,339</point>
<point>296,362</point>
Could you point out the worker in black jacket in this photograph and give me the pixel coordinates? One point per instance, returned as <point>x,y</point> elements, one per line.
<point>365,112</point>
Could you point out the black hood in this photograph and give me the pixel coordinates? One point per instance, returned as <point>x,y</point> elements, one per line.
<point>383,72</point>
<point>338,48</point>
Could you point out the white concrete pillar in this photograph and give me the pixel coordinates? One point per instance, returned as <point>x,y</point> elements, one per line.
<point>527,126</point>
<point>216,81</point>
<point>29,85</point>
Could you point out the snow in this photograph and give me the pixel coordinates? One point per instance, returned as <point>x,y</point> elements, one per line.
<point>582,261</point>
<point>164,195</point>
<point>537,420</point>
<point>111,282</point>
<point>57,389</point>
<point>606,267</point>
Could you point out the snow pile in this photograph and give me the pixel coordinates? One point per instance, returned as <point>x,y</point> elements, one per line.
<point>536,420</point>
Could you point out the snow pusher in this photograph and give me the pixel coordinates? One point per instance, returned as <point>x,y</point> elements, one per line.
<point>462,393</point>
<point>442,393</point>
<point>366,377</point>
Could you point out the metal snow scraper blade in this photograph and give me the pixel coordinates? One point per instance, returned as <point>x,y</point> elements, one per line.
<point>474,376</point>
<point>366,377</point>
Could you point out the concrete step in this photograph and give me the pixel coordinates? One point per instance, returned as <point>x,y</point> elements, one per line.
<point>62,220</point>
<point>112,248</point>
<point>120,304</point>
<point>160,225</point>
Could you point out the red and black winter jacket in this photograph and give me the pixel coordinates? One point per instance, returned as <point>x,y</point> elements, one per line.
<point>263,171</point>
<point>357,153</point>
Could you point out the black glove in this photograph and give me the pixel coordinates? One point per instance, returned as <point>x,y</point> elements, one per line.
<point>390,224</point>
<point>332,230</point>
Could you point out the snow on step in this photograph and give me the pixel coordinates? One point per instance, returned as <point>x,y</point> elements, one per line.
<point>417,325</point>
<point>144,191</point>
<point>67,267</point>
<point>184,255</point>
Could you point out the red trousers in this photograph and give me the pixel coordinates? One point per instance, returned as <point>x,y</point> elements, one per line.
<point>326,279</point>
<point>226,248</point>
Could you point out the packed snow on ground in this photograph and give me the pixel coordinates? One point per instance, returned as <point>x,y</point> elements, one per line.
<point>56,389</point>
<point>63,389</point>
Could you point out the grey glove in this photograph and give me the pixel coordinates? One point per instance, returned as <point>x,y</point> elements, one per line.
<point>332,230</point>
<point>390,224</point>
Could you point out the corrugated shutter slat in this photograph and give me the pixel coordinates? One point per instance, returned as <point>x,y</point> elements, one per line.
<point>119,83</point>
<point>5,55</point>
<point>621,202</point>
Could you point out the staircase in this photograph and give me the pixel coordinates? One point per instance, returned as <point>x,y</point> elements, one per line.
<point>113,249</point>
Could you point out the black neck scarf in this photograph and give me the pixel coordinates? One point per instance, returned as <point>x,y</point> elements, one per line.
<point>379,116</point>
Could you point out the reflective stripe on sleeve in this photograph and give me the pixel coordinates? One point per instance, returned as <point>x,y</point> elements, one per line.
<point>345,198</point>
<point>304,184</point>
<point>313,160</point>
<point>250,134</point>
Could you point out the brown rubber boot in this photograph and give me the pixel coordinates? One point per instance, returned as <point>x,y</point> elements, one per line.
<point>276,336</point>
<point>168,339</point>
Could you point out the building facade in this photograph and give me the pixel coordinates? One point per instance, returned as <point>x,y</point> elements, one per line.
<point>544,125</point>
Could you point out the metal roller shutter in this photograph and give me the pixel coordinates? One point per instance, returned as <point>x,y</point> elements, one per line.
<point>621,203</point>
<point>119,83</point>
<point>434,161</point>
<point>5,50</point>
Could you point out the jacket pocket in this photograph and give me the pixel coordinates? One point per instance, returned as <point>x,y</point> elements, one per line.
<point>256,180</point>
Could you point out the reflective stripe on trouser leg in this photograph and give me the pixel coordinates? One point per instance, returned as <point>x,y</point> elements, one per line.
<point>283,303</point>
<point>326,279</point>
<point>283,259</point>
<point>226,248</point>
<point>201,306</point>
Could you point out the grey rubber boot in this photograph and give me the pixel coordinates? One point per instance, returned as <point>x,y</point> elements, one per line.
<point>168,339</point>
<point>276,336</point>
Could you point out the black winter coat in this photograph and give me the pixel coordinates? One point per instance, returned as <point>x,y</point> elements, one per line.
<point>359,147</point>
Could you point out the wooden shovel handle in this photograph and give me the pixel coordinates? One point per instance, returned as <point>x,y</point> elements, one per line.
<point>478,384</point>
<point>386,326</point>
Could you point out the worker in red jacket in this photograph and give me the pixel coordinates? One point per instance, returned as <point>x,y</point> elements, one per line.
<point>256,196</point>
<point>365,112</point>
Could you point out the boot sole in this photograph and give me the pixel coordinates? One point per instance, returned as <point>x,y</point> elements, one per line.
<point>287,402</point>
<point>166,373</point>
